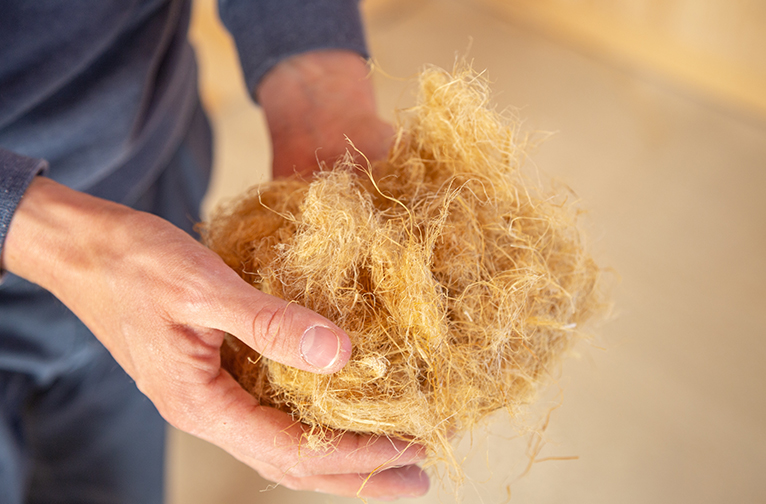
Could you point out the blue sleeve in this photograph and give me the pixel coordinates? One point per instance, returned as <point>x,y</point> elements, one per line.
<point>16,173</point>
<point>268,31</point>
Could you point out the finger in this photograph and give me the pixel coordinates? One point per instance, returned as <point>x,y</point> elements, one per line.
<point>282,331</point>
<point>226,415</point>
<point>408,481</point>
<point>348,453</point>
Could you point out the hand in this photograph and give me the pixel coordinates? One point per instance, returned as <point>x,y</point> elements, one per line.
<point>312,101</point>
<point>160,303</point>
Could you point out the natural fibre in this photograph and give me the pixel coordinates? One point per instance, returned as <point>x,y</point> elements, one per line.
<point>460,282</point>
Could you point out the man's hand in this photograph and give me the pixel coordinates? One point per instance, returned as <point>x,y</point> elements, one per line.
<point>312,101</point>
<point>161,303</point>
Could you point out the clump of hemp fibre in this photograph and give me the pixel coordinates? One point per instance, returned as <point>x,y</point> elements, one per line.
<point>460,283</point>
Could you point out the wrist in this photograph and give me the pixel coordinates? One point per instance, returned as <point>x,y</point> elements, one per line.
<point>312,102</point>
<point>307,80</point>
<point>56,233</point>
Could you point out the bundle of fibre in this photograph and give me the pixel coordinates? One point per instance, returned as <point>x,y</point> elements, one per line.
<point>460,284</point>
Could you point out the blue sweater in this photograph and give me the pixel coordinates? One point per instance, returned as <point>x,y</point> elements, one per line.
<point>99,93</point>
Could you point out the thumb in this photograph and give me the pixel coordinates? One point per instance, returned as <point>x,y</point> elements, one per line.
<point>282,331</point>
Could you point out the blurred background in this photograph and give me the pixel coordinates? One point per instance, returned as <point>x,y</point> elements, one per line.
<point>657,110</point>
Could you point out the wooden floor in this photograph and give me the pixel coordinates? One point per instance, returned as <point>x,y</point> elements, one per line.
<point>668,403</point>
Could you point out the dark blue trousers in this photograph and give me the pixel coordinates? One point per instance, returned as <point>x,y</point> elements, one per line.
<point>73,426</point>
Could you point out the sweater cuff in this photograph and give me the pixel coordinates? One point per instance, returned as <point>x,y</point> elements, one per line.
<point>268,31</point>
<point>16,173</point>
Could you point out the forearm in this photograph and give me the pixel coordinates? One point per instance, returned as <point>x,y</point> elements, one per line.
<point>315,100</point>
<point>314,79</point>
<point>51,236</point>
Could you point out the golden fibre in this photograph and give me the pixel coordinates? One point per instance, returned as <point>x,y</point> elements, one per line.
<point>460,282</point>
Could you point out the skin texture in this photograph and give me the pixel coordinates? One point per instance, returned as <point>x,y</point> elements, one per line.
<point>312,103</point>
<point>160,302</point>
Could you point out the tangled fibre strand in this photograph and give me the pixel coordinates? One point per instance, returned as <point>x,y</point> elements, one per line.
<point>460,284</point>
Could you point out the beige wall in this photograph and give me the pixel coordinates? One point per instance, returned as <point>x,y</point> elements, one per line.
<point>715,49</point>
<point>668,404</point>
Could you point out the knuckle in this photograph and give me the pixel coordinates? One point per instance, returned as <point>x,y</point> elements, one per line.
<point>191,298</point>
<point>269,325</point>
<point>176,417</point>
<point>299,471</point>
<point>294,464</point>
<point>181,412</point>
<point>189,283</point>
<point>185,292</point>
<point>286,480</point>
<point>172,415</point>
<point>289,469</point>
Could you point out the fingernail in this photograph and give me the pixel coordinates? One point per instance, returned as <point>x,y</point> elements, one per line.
<point>320,347</point>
